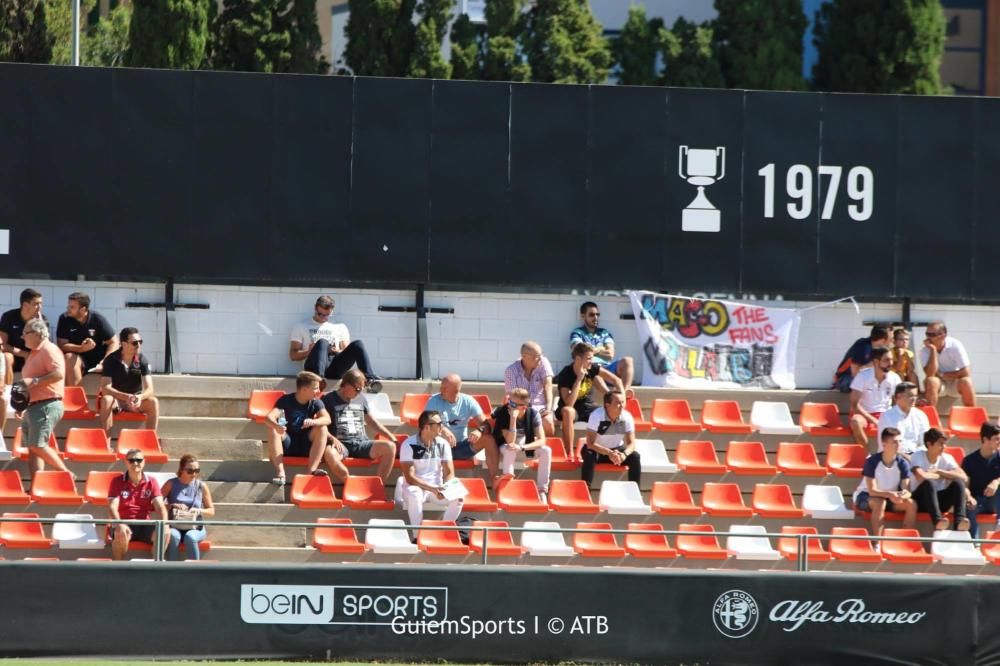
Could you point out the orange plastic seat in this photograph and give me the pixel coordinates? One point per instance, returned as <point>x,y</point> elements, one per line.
<point>596,544</point>
<point>748,458</point>
<point>23,535</point>
<point>89,445</point>
<point>18,450</point>
<point>635,409</point>
<point>560,459</point>
<point>314,492</point>
<point>55,487</point>
<point>262,402</point>
<point>484,403</point>
<point>964,422</point>
<point>499,543</point>
<point>144,440</point>
<point>724,416</point>
<point>788,546</point>
<point>956,452</point>
<point>11,489</point>
<point>652,544</point>
<point>774,500</point>
<point>696,456</point>
<point>904,552</point>
<point>822,418</point>
<point>571,496</point>
<point>520,496</point>
<point>478,500</point>
<point>98,484</point>
<point>673,416</point>
<point>934,419</point>
<point>440,542</point>
<point>799,459</point>
<point>367,493</point>
<point>412,406</point>
<point>855,545</point>
<point>846,460</point>
<point>991,551</point>
<point>673,498</point>
<point>699,546</point>
<point>337,537</point>
<point>75,406</point>
<point>725,500</point>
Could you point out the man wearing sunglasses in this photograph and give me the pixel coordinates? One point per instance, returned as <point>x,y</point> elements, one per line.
<point>604,346</point>
<point>946,367</point>
<point>426,462</point>
<point>327,348</point>
<point>133,496</point>
<point>348,437</point>
<point>517,427</point>
<point>127,383</point>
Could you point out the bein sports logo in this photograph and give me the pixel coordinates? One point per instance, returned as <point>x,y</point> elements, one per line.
<point>735,614</point>
<point>341,604</point>
<point>286,604</point>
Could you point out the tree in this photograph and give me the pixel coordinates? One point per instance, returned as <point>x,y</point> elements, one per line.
<point>24,32</point>
<point>465,37</point>
<point>107,43</point>
<point>502,57</point>
<point>563,43</point>
<point>689,56</point>
<point>893,46</point>
<point>306,42</point>
<point>426,61</point>
<point>380,37</point>
<point>59,16</point>
<point>760,43</point>
<point>252,36</point>
<point>637,47</point>
<point>169,34</point>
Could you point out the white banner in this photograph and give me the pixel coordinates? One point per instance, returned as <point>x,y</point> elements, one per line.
<point>694,343</point>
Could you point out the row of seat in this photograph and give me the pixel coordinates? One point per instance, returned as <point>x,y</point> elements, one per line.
<point>76,531</point>
<point>54,487</point>
<point>94,445</point>
<point>76,407</point>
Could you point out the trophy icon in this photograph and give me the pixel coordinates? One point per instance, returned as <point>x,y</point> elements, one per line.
<point>701,167</point>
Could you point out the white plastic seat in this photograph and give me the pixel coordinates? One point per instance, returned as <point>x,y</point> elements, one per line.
<point>956,553</point>
<point>381,409</point>
<point>654,457</point>
<point>825,503</point>
<point>753,546</point>
<point>622,497</point>
<point>4,453</point>
<point>396,541</point>
<point>162,477</point>
<point>773,418</point>
<point>72,532</point>
<point>545,544</point>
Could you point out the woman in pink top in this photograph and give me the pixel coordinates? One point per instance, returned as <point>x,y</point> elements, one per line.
<point>43,374</point>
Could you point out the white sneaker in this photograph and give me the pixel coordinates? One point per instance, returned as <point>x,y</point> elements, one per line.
<point>544,496</point>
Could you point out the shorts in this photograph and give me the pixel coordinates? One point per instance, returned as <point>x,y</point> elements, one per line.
<point>463,451</point>
<point>123,406</point>
<point>39,422</point>
<point>863,503</point>
<point>613,366</point>
<point>949,388</point>
<point>296,444</point>
<point>583,412</point>
<point>143,533</point>
<point>359,448</point>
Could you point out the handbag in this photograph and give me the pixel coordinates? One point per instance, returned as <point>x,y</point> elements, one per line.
<point>184,515</point>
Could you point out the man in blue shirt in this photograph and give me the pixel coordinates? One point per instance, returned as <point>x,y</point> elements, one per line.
<point>858,356</point>
<point>604,346</point>
<point>458,410</point>
<point>983,468</point>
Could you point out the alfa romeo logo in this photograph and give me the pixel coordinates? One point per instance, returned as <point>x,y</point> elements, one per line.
<point>735,613</point>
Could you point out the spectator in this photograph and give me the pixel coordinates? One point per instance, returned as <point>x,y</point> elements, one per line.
<point>904,362</point>
<point>12,326</point>
<point>517,426</point>
<point>85,338</point>
<point>127,383</point>
<point>885,484</point>
<point>348,437</point>
<point>187,493</point>
<point>297,426</point>
<point>941,483</point>
<point>982,467</point>
<point>425,459</point>
<point>909,420</point>
<point>603,344</point>
<point>43,374</point>
<point>534,373</point>
<point>611,439</point>
<point>459,411</point>
<point>947,369</point>
<point>133,496</point>
<point>858,356</point>
<point>327,348</point>
<point>872,392</point>
<point>5,383</point>
<point>576,383</point>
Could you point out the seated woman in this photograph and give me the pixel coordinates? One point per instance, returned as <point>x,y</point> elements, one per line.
<point>187,492</point>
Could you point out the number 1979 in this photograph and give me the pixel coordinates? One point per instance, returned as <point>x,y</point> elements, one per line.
<point>799,187</point>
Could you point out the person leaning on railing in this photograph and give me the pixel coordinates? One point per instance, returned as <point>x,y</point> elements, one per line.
<point>187,494</point>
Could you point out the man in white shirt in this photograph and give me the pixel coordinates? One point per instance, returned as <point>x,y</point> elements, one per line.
<point>611,438</point>
<point>327,348</point>
<point>946,366</point>
<point>904,416</point>
<point>871,394</point>
<point>885,484</point>
<point>942,483</point>
<point>425,459</point>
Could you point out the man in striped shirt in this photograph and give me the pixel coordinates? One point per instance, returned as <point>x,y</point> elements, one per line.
<point>533,372</point>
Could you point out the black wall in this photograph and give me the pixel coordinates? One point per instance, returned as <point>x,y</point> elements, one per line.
<point>212,177</point>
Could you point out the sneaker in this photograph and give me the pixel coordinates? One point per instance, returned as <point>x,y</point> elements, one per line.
<point>319,472</point>
<point>544,496</point>
<point>373,384</point>
<point>278,480</point>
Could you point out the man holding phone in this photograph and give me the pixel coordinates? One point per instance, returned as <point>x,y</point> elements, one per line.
<point>517,427</point>
<point>946,367</point>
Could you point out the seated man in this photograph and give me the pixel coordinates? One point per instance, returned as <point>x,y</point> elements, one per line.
<point>425,459</point>
<point>576,383</point>
<point>946,367</point>
<point>127,383</point>
<point>348,437</point>
<point>871,394</point>
<point>133,496</point>
<point>982,467</point>
<point>858,356</point>
<point>517,426</point>
<point>327,348</point>
<point>85,338</point>
<point>904,361</point>
<point>885,484</point>
<point>297,426</point>
<point>604,346</point>
<point>941,483</point>
<point>459,410</point>
<point>910,421</point>
<point>12,329</point>
<point>534,373</point>
<point>611,439</point>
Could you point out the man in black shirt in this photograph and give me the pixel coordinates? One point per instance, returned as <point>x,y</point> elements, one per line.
<point>348,437</point>
<point>297,427</point>
<point>127,383</point>
<point>84,337</point>
<point>12,328</point>
<point>576,383</point>
<point>983,469</point>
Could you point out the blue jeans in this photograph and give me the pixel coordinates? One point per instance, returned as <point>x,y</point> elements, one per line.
<point>191,540</point>
<point>983,505</point>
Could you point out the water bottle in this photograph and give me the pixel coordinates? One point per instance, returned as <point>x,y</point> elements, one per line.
<point>282,421</point>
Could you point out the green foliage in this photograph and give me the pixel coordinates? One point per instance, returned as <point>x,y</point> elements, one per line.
<point>60,21</point>
<point>107,43</point>
<point>465,37</point>
<point>426,61</point>
<point>306,42</point>
<point>502,57</point>
<point>760,43</point>
<point>252,36</point>
<point>689,56</point>
<point>25,35</point>
<point>380,37</point>
<point>893,46</point>
<point>563,43</point>
<point>170,34</point>
<point>636,48</point>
